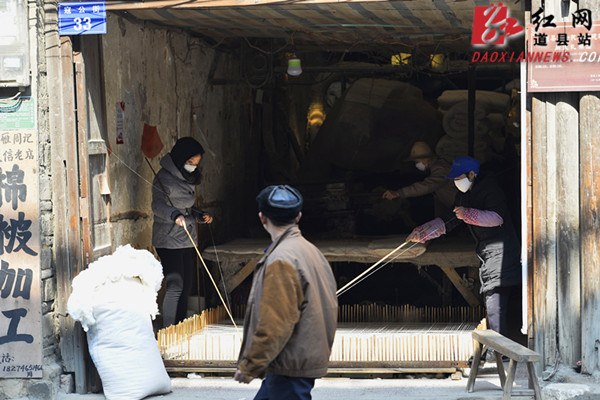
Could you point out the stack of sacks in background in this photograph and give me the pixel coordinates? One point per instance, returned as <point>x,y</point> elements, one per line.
<point>371,129</point>
<point>115,299</point>
<point>491,109</point>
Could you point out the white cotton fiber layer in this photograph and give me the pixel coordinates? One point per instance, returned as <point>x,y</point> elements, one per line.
<point>128,279</point>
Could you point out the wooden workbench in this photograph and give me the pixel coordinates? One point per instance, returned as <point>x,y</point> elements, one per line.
<point>239,256</point>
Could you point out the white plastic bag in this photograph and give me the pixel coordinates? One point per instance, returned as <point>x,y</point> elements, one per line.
<point>124,350</point>
<point>115,299</point>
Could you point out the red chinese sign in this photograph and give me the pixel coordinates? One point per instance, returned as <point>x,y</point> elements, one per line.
<point>578,67</point>
<point>492,25</point>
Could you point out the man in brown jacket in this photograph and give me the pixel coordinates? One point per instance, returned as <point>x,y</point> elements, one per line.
<point>291,315</point>
<point>443,190</point>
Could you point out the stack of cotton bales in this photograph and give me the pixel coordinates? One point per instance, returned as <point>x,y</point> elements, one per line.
<point>491,109</point>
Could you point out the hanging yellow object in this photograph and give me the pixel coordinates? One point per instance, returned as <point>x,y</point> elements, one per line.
<point>439,62</point>
<point>401,59</point>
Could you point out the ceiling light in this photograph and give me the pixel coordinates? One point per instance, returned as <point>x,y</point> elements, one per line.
<point>294,68</point>
<point>401,59</point>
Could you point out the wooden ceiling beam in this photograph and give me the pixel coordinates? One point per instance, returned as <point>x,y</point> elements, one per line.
<point>154,4</point>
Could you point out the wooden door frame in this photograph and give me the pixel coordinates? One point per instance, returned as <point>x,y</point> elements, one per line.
<point>73,241</point>
<point>66,204</point>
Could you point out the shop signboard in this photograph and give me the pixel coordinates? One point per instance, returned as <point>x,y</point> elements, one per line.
<point>20,287</point>
<point>564,58</point>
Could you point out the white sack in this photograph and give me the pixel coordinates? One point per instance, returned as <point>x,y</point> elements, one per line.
<point>115,299</point>
<point>456,120</point>
<point>497,123</point>
<point>448,148</point>
<point>375,92</point>
<point>494,102</point>
<point>125,352</point>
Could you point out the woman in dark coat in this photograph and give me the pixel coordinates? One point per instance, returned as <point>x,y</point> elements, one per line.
<point>482,206</point>
<point>173,197</point>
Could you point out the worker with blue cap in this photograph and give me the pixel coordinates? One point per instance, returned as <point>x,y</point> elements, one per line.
<point>291,314</point>
<point>481,205</point>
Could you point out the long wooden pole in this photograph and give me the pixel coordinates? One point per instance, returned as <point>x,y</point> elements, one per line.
<point>343,289</point>
<point>349,284</point>
<point>211,279</point>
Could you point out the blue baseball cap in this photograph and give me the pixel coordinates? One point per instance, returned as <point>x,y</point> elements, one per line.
<point>463,165</point>
<point>280,203</point>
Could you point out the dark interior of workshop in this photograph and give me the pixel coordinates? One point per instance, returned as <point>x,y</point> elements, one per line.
<point>336,108</point>
<point>341,133</point>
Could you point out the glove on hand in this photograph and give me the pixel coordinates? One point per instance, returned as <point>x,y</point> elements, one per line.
<point>197,214</point>
<point>427,231</point>
<point>473,216</point>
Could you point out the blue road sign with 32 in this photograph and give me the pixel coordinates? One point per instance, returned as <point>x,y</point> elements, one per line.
<point>83,18</point>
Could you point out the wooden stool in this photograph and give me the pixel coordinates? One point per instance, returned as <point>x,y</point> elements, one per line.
<point>513,350</point>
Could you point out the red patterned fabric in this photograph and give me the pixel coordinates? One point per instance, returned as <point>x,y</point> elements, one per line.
<point>483,218</point>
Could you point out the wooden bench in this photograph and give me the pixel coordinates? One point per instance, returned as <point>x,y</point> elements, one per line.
<point>513,350</point>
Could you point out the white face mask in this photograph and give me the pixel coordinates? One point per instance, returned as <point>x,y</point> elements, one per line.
<point>463,184</point>
<point>420,166</point>
<point>189,167</point>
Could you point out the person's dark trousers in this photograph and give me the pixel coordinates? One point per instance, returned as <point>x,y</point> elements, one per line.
<point>280,387</point>
<point>178,266</point>
<point>496,304</point>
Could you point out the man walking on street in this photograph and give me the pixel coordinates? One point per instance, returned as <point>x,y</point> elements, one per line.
<point>291,315</point>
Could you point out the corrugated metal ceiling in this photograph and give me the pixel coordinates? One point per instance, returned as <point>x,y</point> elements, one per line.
<point>357,25</point>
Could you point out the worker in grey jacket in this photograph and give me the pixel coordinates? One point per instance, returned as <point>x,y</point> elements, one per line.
<point>291,314</point>
<point>436,183</point>
<point>173,197</point>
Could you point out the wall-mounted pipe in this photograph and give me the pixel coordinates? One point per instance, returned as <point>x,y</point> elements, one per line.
<point>524,219</point>
<point>471,111</point>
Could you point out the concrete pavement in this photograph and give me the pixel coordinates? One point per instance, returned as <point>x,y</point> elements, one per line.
<point>566,385</point>
<point>328,389</point>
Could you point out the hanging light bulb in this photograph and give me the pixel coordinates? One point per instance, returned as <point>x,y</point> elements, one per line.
<point>294,68</point>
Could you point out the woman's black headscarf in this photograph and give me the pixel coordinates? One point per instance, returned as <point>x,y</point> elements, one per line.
<point>184,149</point>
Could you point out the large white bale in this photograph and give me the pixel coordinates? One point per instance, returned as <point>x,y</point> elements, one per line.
<point>102,283</point>
<point>115,299</point>
<point>456,120</point>
<point>497,123</point>
<point>494,102</point>
<point>126,355</point>
<point>449,148</point>
<point>375,92</point>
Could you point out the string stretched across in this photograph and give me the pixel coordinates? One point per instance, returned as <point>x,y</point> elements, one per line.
<point>351,283</point>
<point>369,271</point>
<point>219,265</point>
<point>211,279</point>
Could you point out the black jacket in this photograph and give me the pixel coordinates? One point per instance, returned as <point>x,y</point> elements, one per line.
<point>497,247</point>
